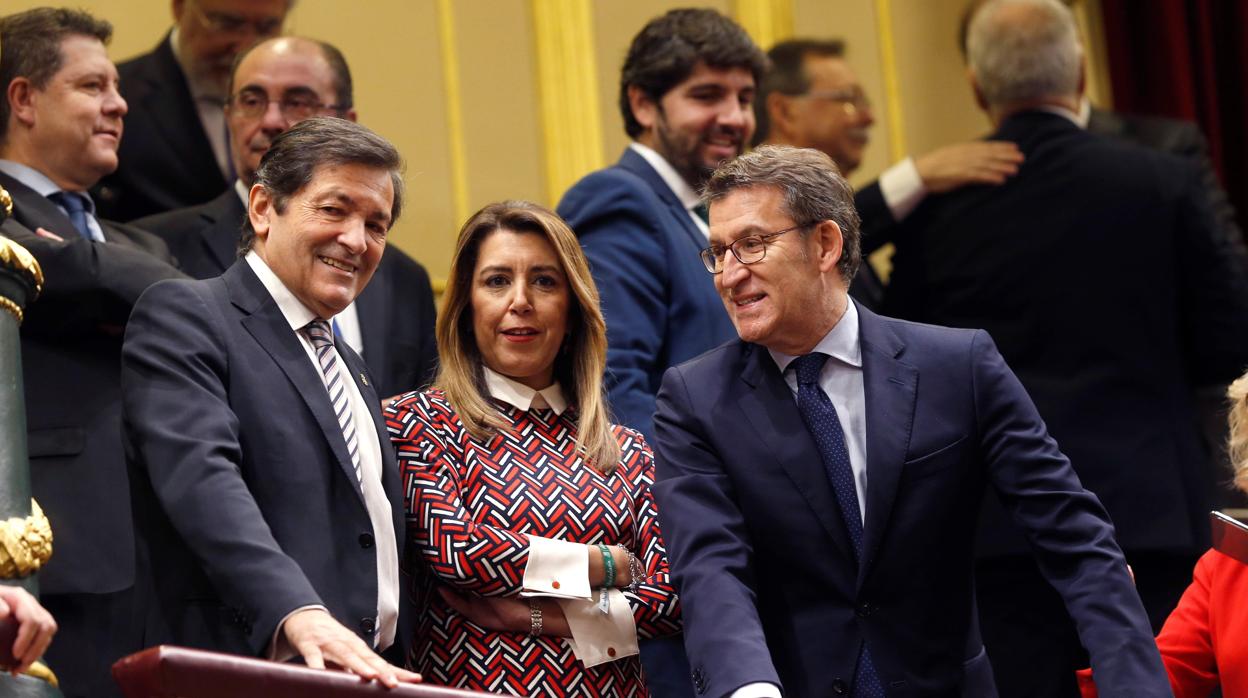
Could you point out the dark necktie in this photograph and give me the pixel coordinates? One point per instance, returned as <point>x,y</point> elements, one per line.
<point>820,417</point>
<point>702,211</point>
<point>76,206</point>
<point>322,338</point>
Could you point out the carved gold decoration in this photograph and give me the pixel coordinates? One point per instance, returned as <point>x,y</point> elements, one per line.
<point>25,543</point>
<point>6,202</point>
<point>18,258</point>
<point>11,308</point>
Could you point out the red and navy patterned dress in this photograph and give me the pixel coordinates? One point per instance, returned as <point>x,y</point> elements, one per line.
<point>470,509</point>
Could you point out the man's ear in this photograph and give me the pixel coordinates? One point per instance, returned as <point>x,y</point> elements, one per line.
<point>645,110</point>
<point>22,96</point>
<point>179,6</point>
<point>831,244</point>
<point>260,210</point>
<point>979,94</point>
<point>781,113</point>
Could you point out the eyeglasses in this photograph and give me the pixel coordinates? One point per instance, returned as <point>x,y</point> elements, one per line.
<point>852,99</point>
<point>226,23</point>
<point>750,249</point>
<point>295,106</point>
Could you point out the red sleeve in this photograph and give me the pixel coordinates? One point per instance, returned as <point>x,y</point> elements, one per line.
<point>656,607</point>
<point>1185,642</point>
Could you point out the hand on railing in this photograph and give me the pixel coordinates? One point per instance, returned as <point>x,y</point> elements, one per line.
<point>26,629</point>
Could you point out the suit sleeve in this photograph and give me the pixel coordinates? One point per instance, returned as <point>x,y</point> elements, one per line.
<point>877,222</point>
<point>708,547</point>
<point>186,438</point>
<point>1068,529</point>
<point>617,221</point>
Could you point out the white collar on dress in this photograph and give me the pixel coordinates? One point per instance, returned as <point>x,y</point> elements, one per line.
<point>521,396</point>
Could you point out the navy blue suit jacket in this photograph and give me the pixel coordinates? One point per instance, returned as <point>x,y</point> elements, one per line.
<point>243,485</point>
<point>395,309</point>
<point>770,588</point>
<point>659,301</point>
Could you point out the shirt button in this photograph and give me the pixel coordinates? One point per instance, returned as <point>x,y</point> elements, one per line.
<point>840,687</point>
<point>366,540</point>
<point>610,651</point>
<point>367,625</point>
<point>555,584</point>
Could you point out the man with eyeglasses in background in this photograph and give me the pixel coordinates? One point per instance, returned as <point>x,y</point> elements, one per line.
<point>276,84</point>
<point>811,98</point>
<point>176,151</point>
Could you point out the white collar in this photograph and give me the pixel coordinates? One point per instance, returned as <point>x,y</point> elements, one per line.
<point>244,192</point>
<point>683,191</point>
<point>296,313</point>
<point>840,343</point>
<point>521,396</point>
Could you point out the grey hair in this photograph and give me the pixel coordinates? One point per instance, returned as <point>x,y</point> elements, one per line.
<point>813,188</point>
<point>1024,50</point>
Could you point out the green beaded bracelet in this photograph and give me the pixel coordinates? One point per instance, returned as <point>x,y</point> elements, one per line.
<point>608,564</point>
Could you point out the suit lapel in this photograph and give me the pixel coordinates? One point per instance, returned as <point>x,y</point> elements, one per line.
<point>782,436</point>
<point>371,307</point>
<point>891,388</point>
<point>636,164</point>
<point>35,211</point>
<point>265,322</point>
<point>221,238</point>
<point>179,126</point>
<point>389,464</point>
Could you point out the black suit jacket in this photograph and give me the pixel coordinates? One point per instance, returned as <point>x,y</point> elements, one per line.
<point>396,308</point>
<point>166,160</point>
<point>1100,272</point>
<point>243,483</point>
<point>71,346</point>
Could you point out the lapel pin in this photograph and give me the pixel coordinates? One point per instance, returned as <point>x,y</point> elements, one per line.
<point>363,379</point>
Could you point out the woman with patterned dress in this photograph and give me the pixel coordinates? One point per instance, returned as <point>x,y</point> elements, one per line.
<point>529,515</point>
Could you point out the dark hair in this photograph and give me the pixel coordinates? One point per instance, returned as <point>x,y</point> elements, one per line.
<point>344,95</point>
<point>787,75</point>
<point>670,47</point>
<point>813,189</point>
<point>322,141</point>
<point>32,47</point>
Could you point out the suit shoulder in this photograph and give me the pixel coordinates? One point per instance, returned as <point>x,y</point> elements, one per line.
<point>610,189</point>
<point>176,222</point>
<point>712,362</point>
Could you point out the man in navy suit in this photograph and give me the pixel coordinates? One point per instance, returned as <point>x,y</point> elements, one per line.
<point>176,153</point>
<point>819,480</point>
<point>685,95</point>
<point>391,323</point>
<point>264,481</point>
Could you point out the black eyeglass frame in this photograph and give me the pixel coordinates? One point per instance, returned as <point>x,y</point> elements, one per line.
<point>712,257</point>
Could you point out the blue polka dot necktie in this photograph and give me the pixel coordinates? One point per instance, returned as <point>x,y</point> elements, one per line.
<point>825,427</point>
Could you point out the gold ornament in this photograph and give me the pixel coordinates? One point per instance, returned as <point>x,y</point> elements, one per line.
<point>25,543</point>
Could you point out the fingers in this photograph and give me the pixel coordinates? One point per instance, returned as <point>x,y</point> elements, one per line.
<point>45,233</point>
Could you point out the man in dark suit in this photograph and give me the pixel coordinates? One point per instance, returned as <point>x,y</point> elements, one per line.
<point>685,95</point>
<point>264,480</point>
<point>1101,274</point>
<point>177,153</point>
<point>819,480</point>
<point>811,98</point>
<point>61,118</point>
<point>391,323</point>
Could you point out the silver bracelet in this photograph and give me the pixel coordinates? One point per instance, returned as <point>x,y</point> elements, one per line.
<point>635,571</point>
<point>535,619</point>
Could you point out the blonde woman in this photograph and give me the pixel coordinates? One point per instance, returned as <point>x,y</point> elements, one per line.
<point>1204,642</point>
<point>531,514</point>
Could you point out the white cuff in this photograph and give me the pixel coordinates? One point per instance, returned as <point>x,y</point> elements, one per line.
<point>556,568</point>
<point>599,637</point>
<point>902,188</point>
<point>758,689</point>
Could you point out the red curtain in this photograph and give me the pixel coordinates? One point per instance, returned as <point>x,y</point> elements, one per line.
<point>1187,59</point>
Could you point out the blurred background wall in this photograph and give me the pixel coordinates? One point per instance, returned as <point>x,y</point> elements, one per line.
<point>496,99</point>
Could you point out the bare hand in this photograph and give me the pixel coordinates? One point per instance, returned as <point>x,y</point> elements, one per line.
<point>35,625</point>
<point>386,402</point>
<point>45,233</point>
<point>960,164</point>
<point>490,612</point>
<point>319,638</point>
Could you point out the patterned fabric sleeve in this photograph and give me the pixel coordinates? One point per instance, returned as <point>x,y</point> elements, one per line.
<point>656,606</point>
<point>487,560</point>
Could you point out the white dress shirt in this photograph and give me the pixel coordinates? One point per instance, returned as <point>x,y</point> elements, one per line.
<point>375,500</point>
<point>684,192</point>
<point>560,569</point>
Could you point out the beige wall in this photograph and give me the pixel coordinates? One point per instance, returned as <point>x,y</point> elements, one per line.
<point>397,58</point>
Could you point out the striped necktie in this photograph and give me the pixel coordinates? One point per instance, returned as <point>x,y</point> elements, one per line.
<point>322,338</point>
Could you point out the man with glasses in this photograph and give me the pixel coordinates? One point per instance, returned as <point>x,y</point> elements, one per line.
<point>176,152</point>
<point>811,98</point>
<point>819,480</point>
<point>277,84</point>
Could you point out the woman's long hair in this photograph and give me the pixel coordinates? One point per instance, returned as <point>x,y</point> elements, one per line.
<point>1237,420</point>
<point>580,364</point>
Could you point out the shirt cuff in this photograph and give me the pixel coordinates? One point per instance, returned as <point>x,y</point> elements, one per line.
<point>757,690</point>
<point>279,647</point>
<point>902,188</point>
<point>556,568</point>
<point>599,637</point>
